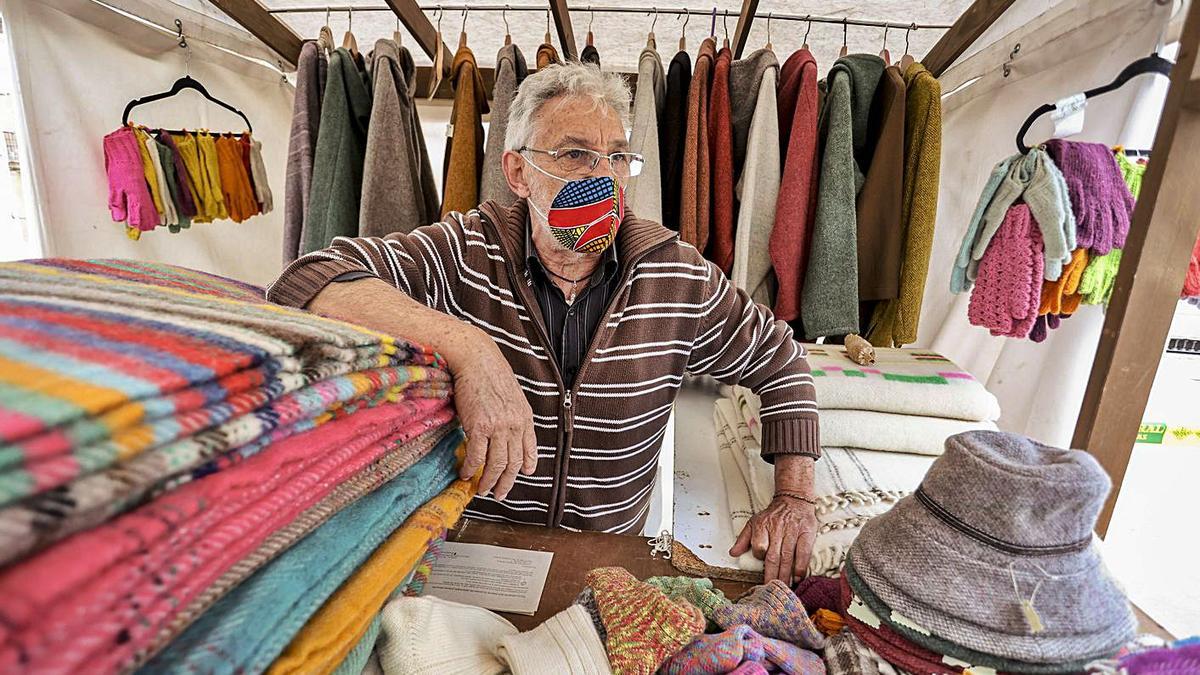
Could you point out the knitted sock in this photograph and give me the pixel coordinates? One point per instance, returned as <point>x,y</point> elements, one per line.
<point>749,668</point>
<point>817,592</point>
<point>773,610</point>
<point>644,626</point>
<point>697,592</point>
<point>723,652</point>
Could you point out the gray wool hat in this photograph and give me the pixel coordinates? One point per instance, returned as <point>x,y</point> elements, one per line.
<point>995,552</point>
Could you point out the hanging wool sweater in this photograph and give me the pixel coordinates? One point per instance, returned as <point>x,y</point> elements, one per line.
<point>720,141</point>
<point>830,297</point>
<point>695,199</point>
<point>312,69</point>
<point>333,205</point>
<point>510,72</point>
<point>644,191</point>
<point>546,54</point>
<point>797,202</point>
<point>672,126</point>
<point>758,186</point>
<point>464,144</point>
<point>398,192</point>
<point>590,55</point>
<point>895,322</point>
<point>880,202</point>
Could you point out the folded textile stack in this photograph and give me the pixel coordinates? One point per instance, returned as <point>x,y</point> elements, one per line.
<point>947,582</point>
<point>172,447</point>
<point>880,427</point>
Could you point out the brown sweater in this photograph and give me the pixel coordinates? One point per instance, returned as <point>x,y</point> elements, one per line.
<point>463,165</point>
<point>695,198</point>
<point>598,442</point>
<point>880,228</point>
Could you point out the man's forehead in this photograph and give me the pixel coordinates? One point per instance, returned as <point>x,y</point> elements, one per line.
<point>578,121</point>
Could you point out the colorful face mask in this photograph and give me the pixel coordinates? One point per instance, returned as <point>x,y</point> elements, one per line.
<point>586,213</point>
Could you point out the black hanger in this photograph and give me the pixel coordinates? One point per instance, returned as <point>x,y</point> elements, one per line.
<point>185,82</point>
<point>1143,66</point>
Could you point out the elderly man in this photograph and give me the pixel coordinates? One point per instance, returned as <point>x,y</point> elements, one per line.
<point>569,324</point>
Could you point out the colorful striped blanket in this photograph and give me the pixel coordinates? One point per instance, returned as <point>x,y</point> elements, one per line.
<point>101,361</point>
<point>102,595</point>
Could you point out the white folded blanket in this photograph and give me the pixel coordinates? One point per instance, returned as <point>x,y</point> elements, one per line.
<point>850,486</point>
<point>904,381</point>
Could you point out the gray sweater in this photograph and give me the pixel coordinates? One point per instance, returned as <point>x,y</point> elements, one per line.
<point>510,71</point>
<point>311,71</point>
<point>645,190</point>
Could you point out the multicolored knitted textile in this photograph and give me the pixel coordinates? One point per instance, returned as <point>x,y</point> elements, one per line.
<point>103,360</point>
<point>721,653</point>
<point>90,500</point>
<point>644,627</point>
<point>247,629</point>
<point>587,600</point>
<point>101,595</point>
<point>334,630</point>
<point>774,611</point>
<point>414,586</point>
<point>749,668</point>
<point>697,592</point>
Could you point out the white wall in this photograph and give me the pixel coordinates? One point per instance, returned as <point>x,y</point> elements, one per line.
<point>78,65</point>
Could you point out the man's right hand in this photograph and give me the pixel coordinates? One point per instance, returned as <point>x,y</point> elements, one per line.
<point>496,418</point>
<point>495,415</point>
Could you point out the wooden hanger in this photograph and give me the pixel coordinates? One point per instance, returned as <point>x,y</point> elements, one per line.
<point>396,33</point>
<point>845,30</point>
<point>650,36</point>
<point>907,60</point>
<point>687,16</point>
<point>439,58</point>
<point>547,40</point>
<point>770,47</point>
<point>591,40</point>
<point>507,34</point>
<point>348,41</point>
<point>884,53</point>
<point>462,34</point>
<point>807,31</point>
<point>325,36</point>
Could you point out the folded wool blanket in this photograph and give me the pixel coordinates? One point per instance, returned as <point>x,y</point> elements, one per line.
<point>850,486</point>
<point>845,654</point>
<point>90,500</point>
<point>906,381</point>
<point>248,628</point>
<point>102,360</point>
<point>108,591</point>
<point>334,630</point>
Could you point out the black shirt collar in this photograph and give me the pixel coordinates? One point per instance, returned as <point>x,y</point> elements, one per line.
<point>604,271</point>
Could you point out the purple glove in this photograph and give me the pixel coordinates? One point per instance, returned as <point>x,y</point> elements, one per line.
<point>1100,197</point>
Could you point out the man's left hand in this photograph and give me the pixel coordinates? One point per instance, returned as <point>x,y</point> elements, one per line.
<point>782,536</point>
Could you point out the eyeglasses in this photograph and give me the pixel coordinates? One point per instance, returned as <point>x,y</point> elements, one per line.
<point>581,160</point>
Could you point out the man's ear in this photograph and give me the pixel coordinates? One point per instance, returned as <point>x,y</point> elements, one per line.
<point>514,172</point>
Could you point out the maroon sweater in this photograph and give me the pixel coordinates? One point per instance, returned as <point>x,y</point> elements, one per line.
<point>720,142</point>
<point>598,440</point>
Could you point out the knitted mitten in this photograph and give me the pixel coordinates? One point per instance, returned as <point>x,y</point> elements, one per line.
<point>1046,204</point>
<point>817,592</point>
<point>1099,195</point>
<point>1098,278</point>
<point>1062,296</point>
<point>1008,290</point>
<point>958,277</point>
<point>774,611</point>
<point>644,626</point>
<point>723,652</point>
<point>698,592</point>
<point>587,600</point>
<point>828,621</point>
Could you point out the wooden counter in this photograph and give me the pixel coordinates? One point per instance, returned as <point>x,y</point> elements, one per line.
<point>575,553</point>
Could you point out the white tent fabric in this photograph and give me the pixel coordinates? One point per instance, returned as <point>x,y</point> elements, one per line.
<point>79,63</point>
<point>1071,47</point>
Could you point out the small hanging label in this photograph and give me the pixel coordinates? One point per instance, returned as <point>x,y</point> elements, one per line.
<point>1068,115</point>
<point>900,619</point>
<point>863,613</point>
<point>450,130</point>
<point>1032,617</point>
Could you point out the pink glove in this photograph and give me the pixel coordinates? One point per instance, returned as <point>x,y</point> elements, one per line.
<point>128,195</point>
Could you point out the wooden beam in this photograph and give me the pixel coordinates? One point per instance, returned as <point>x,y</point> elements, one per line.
<point>1153,266</point>
<point>742,32</point>
<point>269,30</point>
<point>562,22</point>
<point>969,26</point>
<point>422,29</point>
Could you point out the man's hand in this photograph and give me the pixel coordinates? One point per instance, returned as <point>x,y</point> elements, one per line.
<point>497,420</point>
<point>495,415</point>
<point>782,535</point>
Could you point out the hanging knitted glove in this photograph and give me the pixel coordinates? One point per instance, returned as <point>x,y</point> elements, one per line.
<point>1096,285</point>
<point>1046,202</point>
<point>1038,333</point>
<point>1006,295</point>
<point>1102,202</point>
<point>1132,172</point>
<point>958,276</point>
<point>1009,192</point>
<point>1064,196</point>
<point>1062,296</point>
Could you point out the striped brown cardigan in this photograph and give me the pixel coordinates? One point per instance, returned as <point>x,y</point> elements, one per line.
<point>598,443</point>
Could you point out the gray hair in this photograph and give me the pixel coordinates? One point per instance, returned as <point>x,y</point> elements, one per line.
<point>573,78</point>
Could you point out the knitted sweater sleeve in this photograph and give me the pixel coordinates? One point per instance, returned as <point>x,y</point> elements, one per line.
<point>740,342</point>
<point>422,263</point>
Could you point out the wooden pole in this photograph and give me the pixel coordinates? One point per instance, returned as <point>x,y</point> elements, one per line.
<point>269,30</point>
<point>422,29</point>
<point>1153,266</point>
<point>562,22</point>
<point>742,32</point>
<point>978,17</point>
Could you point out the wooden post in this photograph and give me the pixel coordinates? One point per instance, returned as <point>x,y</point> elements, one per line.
<point>269,30</point>
<point>422,29</point>
<point>562,22</point>
<point>964,32</point>
<point>742,32</point>
<point>1153,266</point>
